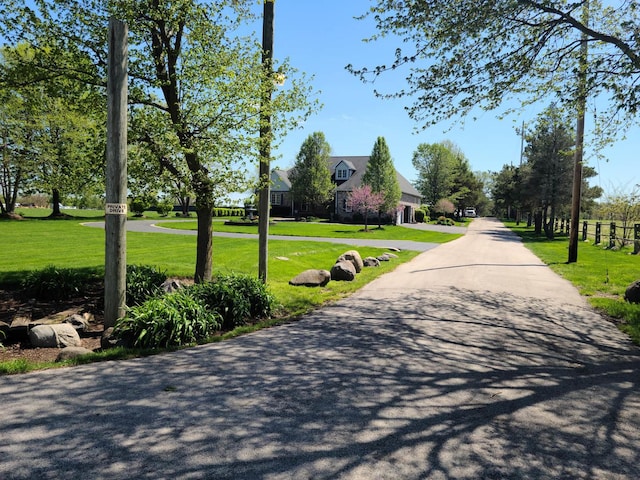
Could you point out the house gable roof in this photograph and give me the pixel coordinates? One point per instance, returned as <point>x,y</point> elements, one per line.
<point>358,165</point>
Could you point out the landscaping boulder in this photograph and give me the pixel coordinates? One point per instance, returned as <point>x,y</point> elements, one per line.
<point>343,270</point>
<point>354,257</point>
<point>71,352</point>
<point>51,336</point>
<point>371,262</point>
<point>391,255</point>
<point>311,278</point>
<point>384,257</point>
<point>632,293</point>
<point>171,285</point>
<point>77,321</point>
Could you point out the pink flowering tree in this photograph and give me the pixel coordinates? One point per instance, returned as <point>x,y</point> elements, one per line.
<point>364,201</point>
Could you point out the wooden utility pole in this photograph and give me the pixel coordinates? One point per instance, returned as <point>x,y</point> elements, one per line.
<point>578,156</point>
<point>115,268</point>
<point>265,140</point>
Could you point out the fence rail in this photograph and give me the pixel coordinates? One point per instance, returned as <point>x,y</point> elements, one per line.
<point>611,232</point>
<point>599,230</point>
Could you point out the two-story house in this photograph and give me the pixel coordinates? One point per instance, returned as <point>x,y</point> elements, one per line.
<point>346,174</point>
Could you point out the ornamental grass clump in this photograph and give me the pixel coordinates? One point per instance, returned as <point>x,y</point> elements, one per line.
<point>172,320</point>
<point>143,282</point>
<point>236,298</point>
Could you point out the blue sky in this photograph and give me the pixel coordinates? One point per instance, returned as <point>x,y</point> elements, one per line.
<point>322,37</point>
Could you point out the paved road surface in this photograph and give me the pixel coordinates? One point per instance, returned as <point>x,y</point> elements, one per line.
<point>472,361</point>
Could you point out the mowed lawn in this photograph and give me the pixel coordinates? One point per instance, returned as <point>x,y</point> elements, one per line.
<point>36,243</point>
<point>325,230</point>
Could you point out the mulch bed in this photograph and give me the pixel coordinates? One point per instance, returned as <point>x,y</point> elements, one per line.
<point>17,345</point>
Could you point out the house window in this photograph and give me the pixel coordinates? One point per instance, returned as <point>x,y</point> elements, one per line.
<point>347,205</point>
<point>276,199</point>
<point>342,174</point>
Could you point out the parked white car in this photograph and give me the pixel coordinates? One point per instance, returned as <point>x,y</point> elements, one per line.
<point>470,212</point>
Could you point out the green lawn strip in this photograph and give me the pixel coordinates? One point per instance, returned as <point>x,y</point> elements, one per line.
<point>35,244</point>
<point>327,230</point>
<point>601,274</point>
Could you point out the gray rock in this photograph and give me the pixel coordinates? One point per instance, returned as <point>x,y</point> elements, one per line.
<point>632,293</point>
<point>50,336</point>
<point>311,278</point>
<point>354,257</point>
<point>171,285</point>
<point>344,271</point>
<point>394,249</point>
<point>371,262</point>
<point>78,322</point>
<point>71,352</point>
<point>391,255</point>
<point>384,257</point>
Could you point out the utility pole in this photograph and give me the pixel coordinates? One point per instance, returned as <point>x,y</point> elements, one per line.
<point>578,156</point>
<point>115,268</point>
<point>265,140</point>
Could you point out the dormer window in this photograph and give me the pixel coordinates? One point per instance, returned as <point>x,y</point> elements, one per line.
<point>342,174</point>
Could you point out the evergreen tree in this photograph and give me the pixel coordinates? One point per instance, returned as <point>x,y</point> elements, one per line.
<point>381,176</point>
<point>310,177</point>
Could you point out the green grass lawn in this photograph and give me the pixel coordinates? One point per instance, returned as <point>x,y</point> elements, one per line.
<point>36,244</point>
<point>601,274</point>
<point>326,230</point>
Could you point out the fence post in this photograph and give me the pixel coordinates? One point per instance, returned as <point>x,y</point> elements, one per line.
<point>585,226</point>
<point>636,238</point>
<point>598,230</point>
<point>567,225</point>
<point>612,235</point>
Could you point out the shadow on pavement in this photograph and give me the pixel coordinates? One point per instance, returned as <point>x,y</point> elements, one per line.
<point>443,384</point>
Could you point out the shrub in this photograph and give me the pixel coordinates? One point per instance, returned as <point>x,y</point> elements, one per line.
<point>173,320</point>
<point>420,215</point>
<point>237,298</point>
<point>164,207</point>
<point>143,282</point>
<point>53,283</point>
<point>139,205</point>
<point>445,221</point>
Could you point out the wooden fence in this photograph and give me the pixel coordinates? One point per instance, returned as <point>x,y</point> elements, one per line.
<point>603,231</point>
<point>612,233</point>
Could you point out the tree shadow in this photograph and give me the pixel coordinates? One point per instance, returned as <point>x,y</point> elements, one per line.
<point>442,384</point>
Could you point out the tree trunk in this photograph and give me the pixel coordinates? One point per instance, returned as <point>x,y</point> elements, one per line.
<point>56,203</point>
<point>184,203</point>
<point>550,230</point>
<point>537,220</point>
<point>204,244</point>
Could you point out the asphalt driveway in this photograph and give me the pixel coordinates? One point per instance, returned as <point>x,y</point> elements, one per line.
<point>153,226</point>
<point>472,361</point>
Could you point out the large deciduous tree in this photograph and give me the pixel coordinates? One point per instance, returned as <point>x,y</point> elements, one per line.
<point>310,176</point>
<point>187,61</point>
<point>434,163</point>
<point>381,176</point>
<point>472,53</point>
